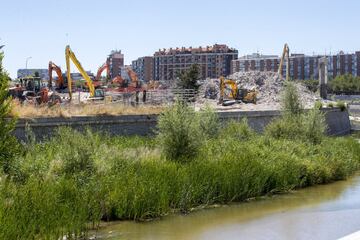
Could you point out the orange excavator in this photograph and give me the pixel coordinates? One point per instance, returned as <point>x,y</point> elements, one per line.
<point>132,86</point>
<point>134,78</point>
<point>97,82</point>
<point>101,69</point>
<point>118,80</point>
<point>60,82</point>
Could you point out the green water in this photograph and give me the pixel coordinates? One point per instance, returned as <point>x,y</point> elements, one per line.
<point>320,212</point>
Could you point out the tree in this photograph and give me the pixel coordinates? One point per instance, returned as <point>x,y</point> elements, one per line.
<point>188,79</point>
<point>8,143</point>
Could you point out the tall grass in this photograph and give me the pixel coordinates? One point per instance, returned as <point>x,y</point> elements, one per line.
<point>295,123</point>
<point>67,185</point>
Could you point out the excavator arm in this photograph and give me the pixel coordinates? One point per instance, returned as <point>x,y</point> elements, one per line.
<point>101,69</point>
<point>60,82</point>
<point>133,77</point>
<point>69,55</point>
<point>285,54</point>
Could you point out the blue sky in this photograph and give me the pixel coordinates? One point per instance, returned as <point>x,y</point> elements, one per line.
<point>41,29</point>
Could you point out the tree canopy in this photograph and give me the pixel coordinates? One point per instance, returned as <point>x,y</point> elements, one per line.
<point>188,79</point>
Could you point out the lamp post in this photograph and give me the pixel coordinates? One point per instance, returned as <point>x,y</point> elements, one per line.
<point>27,59</point>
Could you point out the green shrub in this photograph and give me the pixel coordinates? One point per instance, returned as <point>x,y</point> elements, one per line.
<point>9,147</point>
<point>209,122</point>
<point>288,127</point>
<point>179,133</point>
<point>341,105</point>
<point>311,84</point>
<point>238,130</point>
<point>318,105</point>
<point>345,83</point>
<point>313,126</point>
<point>330,105</point>
<point>291,103</point>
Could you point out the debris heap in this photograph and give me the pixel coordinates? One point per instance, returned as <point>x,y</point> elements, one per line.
<point>269,86</point>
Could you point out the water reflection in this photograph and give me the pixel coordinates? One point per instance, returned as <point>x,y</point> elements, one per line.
<point>321,212</point>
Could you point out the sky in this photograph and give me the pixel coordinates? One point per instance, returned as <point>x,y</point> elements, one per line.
<point>41,29</point>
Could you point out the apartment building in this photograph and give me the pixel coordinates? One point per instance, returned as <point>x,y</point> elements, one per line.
<point>144,68</point>
<point>301,66</point>
<point>116,62</point>
<point>213,61</point>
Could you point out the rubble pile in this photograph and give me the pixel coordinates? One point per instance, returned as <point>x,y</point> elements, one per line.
<point>268,85</point>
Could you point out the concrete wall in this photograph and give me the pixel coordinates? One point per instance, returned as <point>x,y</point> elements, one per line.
<point>338,123</point>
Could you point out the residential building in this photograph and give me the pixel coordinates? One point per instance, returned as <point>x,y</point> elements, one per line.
<point>213,61</point>
<point>43,73</point>
<point>144,68</point>
<point>116,62</point>
<point>301,66</point>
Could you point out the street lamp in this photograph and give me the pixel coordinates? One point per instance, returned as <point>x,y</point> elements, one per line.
<point>27,59</point>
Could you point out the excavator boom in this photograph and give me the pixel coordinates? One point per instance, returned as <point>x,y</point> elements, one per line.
<point>101,69</point>
<point>133,77</point>
<point>60,82</point>
<point>285,54</point>
<point>69,55</point>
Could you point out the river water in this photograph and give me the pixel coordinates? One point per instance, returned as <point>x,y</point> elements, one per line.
<point>321,212</point>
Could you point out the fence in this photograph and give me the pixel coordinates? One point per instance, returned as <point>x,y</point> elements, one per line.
<point>149,97</point>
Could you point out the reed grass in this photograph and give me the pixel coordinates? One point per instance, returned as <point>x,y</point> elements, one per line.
<point>69,184</point>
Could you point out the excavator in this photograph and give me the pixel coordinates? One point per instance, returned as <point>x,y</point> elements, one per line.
<point>134,85</point>
<point>285,55</point>
<point>70,55</point>
<point>242,94</point>
<point>60,81</point>
<point>134,78</point>
<point>101,69</point>
<point>97,81</point>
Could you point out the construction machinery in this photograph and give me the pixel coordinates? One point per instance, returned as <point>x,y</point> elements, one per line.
<point>133,77</point>
<point>230,90</point>
<point>100,71</point>
<point>31,90</point>
<point>60,81</point>
<point>285,56</point>
<point>70,55</point>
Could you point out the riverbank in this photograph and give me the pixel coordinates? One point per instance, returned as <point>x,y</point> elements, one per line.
<point>70,183</point>
<point>316,212</point>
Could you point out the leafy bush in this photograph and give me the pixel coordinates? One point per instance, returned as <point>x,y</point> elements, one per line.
<point>238,130</point>
<point>291,103</point>
<point>9,147</point>
<point>318,105</point>
<point>345,83</point>
<point>313,126</point>
<point>179,133</point>
<point>341,105</point>
<point>330,105</point>
<point>311,84</point>
<point>295,123</point>
<point>209,122</point>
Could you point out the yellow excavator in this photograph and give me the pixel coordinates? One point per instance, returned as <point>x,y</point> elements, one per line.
<point>245,95</point>
<point>69,55</point>
<point>285,55</point>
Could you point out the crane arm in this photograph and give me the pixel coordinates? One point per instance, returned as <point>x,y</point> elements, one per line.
<point>101,69</point>
<point>69,55</point>
<point>53,66</point>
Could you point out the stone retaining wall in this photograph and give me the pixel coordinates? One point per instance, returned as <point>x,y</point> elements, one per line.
<point>338,123</point>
